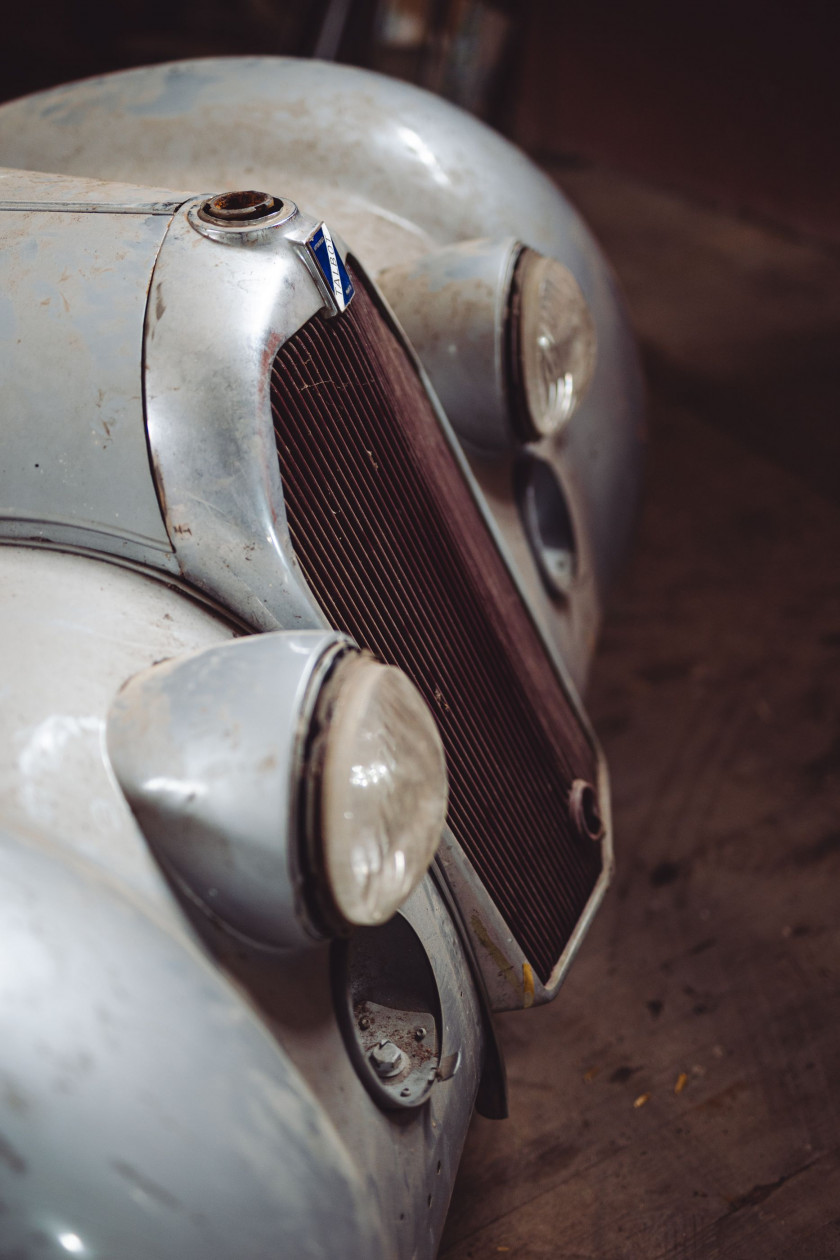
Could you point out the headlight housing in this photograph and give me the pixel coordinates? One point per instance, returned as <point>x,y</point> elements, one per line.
<point>380,791</point>
<point>292,784</point>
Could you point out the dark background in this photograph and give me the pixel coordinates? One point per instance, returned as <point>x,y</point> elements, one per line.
<point>734,100</point>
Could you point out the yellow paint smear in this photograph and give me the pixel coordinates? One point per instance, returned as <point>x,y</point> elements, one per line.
<point>527,985</point>
<point>682,1081</point>
<point>641,1100</point>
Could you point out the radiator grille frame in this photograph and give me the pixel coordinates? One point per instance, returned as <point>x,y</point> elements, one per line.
<point>341,512</point>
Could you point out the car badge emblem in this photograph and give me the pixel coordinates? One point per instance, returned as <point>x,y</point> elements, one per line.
<point>330,270</point>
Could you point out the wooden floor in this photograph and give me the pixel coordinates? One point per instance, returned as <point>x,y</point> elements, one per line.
<point>681,1098</point>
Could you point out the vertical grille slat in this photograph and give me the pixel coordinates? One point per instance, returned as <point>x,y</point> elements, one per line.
<point>398,554</point>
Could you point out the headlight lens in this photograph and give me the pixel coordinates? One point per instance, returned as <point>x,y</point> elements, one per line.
<point>554,343</point>
<point>383,790</point>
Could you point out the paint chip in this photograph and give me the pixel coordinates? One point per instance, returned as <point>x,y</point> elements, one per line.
<point>682,1081</point>
<point>641,1100</point>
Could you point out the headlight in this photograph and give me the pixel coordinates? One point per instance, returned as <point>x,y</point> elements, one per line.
<point>505,335</point>
<point>553,350</point>
<point>291,783</point>
<point>381,800</point>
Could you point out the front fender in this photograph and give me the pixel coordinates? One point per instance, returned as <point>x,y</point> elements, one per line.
<point>145,1111</point>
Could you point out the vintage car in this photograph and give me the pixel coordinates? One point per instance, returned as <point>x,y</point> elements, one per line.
<point>321,439</point>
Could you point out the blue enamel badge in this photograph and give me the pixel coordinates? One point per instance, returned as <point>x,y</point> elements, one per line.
<point>328,262</point>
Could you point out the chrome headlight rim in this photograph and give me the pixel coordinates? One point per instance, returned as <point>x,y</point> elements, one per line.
<point>325,857</point>
<point>538,409</point>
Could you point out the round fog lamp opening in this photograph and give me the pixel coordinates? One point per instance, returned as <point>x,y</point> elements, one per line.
<point>556,342</point>
<point>383,791</point>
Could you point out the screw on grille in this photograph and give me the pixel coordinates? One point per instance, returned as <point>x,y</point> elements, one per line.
<point>387,1059</point>
<point>240,207</point>
<point>583,806</point>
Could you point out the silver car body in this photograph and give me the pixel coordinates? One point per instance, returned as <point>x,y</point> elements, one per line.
<point>175,1078</point>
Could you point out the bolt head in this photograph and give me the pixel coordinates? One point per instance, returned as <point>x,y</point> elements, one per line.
<point>583,807</point>
<point>387,1059</point>
<point>419,1034</point>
